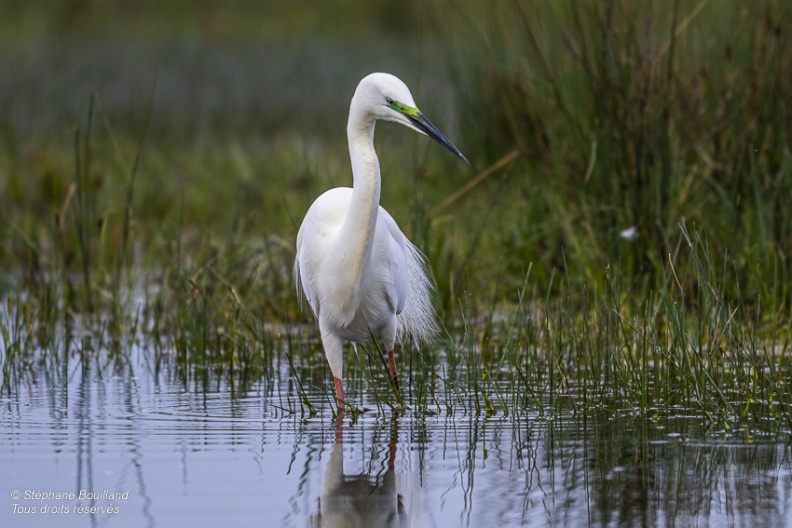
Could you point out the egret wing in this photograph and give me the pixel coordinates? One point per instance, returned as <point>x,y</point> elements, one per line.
<point>399,280</point>
<point>303,284</point>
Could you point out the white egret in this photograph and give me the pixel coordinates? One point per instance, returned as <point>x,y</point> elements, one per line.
<point>359,273</point>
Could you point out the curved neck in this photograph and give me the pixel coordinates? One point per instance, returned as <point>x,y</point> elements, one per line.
<point>357,232</point>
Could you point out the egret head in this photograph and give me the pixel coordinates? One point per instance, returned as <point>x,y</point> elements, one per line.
<point>386,97</point>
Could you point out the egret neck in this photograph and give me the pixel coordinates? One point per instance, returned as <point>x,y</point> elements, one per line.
<point>357,232</point>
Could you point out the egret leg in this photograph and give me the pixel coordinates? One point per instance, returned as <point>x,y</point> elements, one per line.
<point>339,390</point>
<point>392,364</point>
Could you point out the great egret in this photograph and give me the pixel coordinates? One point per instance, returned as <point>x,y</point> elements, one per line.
<point>361,276</point>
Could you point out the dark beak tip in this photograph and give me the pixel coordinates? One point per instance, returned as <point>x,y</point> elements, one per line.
<point>426,126</point>
<point>458,153</point>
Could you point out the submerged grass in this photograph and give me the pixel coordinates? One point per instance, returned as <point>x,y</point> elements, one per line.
<point>688,349</point>
<point>586,125</point>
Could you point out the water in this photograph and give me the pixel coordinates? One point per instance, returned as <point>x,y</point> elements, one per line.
<point>134,443</point>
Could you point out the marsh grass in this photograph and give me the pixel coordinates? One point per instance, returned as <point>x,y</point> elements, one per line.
<point>690,348</point>
<point>580,122</point>
<point>632,115</point>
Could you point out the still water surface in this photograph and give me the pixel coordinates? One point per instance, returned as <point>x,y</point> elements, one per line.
<point>140,446</point>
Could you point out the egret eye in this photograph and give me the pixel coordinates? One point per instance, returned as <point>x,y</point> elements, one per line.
<point>389,100</point>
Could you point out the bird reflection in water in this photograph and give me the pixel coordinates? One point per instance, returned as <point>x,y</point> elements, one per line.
<point>370,500</point>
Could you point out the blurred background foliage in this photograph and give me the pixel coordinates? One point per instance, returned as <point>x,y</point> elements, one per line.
<point>171,138</point>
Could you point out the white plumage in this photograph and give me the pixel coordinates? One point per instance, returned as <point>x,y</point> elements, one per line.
<point>359,273</point>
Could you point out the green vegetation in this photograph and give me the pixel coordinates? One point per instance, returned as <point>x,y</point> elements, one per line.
<point>155,164</point>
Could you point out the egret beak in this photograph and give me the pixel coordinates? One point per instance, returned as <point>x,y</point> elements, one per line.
<point>422,124</point>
